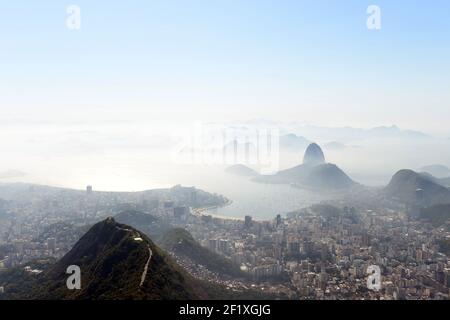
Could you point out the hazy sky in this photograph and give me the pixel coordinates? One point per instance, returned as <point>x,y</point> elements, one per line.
<point>184,61</point>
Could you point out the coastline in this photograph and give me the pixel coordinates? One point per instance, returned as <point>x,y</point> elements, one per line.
<point>207,212</point>
<point>199,212</point>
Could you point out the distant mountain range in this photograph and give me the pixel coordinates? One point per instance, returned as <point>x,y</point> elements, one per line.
<point>334,145</point>
<point>287,143</point>
<point>342,134</point>
<point>421,189</point>
<point>346,134</point>
<point>293,143</point>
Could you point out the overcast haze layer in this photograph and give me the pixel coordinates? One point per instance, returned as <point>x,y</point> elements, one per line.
<point>312,61</point>
<point>106,100</point>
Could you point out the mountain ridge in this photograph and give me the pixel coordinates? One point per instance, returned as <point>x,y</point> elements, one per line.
<point>117,262</point>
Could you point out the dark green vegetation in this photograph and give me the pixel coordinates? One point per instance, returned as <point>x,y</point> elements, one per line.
<point>181,242</point>
<point>437,215</point>
<point>18,283</point>
<point>112,263</point>
<point>112,258</point>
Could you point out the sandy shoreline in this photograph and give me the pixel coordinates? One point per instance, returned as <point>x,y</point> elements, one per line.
<point>207,212</point>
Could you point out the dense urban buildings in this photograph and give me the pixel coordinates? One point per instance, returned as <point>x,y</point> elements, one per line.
<point>320,252</point>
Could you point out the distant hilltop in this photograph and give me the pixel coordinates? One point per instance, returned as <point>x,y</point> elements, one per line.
<point>313,155</point>
<point>241,170</point>
<point>314,172</point>
<point>415,188</point>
